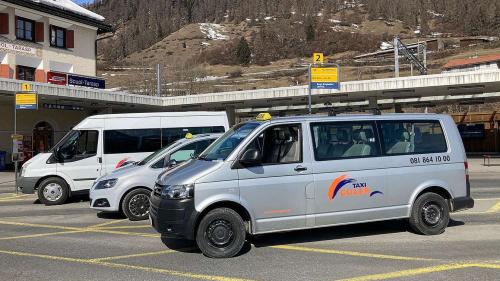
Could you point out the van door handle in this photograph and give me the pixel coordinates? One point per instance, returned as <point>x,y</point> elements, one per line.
<point>300,168</point>
<point>99,160</point>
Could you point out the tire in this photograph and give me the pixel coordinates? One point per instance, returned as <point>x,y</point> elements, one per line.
<point>430,214</point>
<point>230,228</point>
<point>53,191</point>
<point>135,204</point>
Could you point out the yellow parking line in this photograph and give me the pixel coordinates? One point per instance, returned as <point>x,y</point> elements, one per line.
<point>127,227</point>
<point>135,255</point>
<point>41,234</point>
<point>106,223</point>
<point>86,229</point>
<point>348,253</point>
<point>495,208</point>
<point>17,199</point>
<point>409,272</point>
<point>126,266</point>
<point>487,265</point>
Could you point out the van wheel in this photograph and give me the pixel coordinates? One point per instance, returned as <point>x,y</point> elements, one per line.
<point>221,233</point>
<point>135,205</point>
<point>430,214</point>
<point>53,191</point>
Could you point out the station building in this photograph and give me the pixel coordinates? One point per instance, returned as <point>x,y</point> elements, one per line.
<point>45,41</point>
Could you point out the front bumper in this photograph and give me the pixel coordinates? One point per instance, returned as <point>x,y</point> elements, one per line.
<point>97,197</point>
<point>462,203</point>
<point>27,184</point>
<point>173,218</point>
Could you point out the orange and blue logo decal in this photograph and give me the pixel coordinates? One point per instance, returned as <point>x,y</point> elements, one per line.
<point>347,187</point>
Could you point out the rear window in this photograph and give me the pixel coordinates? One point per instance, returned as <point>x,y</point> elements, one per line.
<point>412,137</point>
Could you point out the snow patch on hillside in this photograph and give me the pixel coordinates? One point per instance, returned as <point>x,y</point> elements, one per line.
<point>213,31</point>
<point>70,6</point>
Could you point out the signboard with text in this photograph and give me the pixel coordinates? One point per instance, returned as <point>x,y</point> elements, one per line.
<point>57,78</point>
<point>83,81</point>
<point>26,101</point>
<point>325,78</point>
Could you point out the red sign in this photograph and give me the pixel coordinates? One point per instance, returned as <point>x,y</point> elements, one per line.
<point>57,78</point>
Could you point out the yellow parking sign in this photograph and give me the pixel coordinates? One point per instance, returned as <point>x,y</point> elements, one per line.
<point>26,87</point>
<point>318,58</point>
<point>26,101</point>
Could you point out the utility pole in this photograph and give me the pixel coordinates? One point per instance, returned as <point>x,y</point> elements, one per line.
<point>396,57</point>
<point>158,82</point>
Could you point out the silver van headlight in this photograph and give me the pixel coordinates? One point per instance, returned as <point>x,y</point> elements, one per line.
<point>104,184</point>
<point>183,191</point>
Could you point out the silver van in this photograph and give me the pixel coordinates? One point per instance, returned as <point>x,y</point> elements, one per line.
<point>269,175</point>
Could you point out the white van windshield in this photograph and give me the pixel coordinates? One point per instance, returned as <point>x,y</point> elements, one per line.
<point>221,149</point>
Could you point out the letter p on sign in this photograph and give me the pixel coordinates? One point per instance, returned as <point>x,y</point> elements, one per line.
<point>318,58</point>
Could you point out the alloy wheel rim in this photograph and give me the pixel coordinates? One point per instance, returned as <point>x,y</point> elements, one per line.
<point>139,205</point>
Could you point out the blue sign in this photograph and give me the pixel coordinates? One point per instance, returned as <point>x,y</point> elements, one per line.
<point>325,85</point>
<point>83,81</point>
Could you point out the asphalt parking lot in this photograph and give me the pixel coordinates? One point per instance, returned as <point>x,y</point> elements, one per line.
<point>72,242</point>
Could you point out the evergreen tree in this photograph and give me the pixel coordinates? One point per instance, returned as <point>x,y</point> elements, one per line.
<point>243,52</point>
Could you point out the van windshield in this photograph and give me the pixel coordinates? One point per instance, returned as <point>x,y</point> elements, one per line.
<point>221,149</point>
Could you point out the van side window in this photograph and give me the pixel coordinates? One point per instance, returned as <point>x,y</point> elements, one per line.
<point>131,141</point>
<point>340,140</point>
<point>412,137</point>
<point>279,144</point>
<point>82,144</point>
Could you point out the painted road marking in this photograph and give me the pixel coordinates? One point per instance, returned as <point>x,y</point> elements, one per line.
<point>13,195</point>
<point>421,270</point>
<point>83,229</point>
<point>42,234</point>
<point>494,209</point>
<point>135,255</point>
<point>126,266</point>
<point>107,223</point>
<point>348,253</point>
<point>126,227</point>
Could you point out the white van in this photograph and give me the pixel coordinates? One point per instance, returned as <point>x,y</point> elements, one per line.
<point>99,144</point>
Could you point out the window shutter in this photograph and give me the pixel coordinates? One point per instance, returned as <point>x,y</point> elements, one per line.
<point>70,39</point>
<point>39,32</point>
<point>4,23</point>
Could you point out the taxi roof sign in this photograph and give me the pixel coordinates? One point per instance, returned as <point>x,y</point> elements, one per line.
<point>265,116</point>
<point>189,136</point>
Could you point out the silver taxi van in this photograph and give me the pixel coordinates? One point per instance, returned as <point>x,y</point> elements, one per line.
<point>269,175</point>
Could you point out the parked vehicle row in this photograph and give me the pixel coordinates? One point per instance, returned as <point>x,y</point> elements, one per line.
<point>100,144</point>
<point>281,174</point>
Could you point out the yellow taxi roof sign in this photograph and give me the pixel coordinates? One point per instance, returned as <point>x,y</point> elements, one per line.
<point>264,116</point>
<point>189,136</point>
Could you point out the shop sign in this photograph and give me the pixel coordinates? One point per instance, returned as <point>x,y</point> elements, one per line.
<point>4,46</point>
<point>57,78</point>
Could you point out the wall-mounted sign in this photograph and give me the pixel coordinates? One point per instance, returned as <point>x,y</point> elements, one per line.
<point>57,78</point>
<point>325,78</point>
<point>26,101</point>
<point>83,81</point>
<point>4,46</point>
<point>63,106</point>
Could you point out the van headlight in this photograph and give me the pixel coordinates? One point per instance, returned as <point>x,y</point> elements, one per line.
<point>23,169</point>
<point>183,191</point>
<point>106,184</point>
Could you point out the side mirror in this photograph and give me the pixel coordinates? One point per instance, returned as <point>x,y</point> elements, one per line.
<point>251,157</point>
<point>169,163</point>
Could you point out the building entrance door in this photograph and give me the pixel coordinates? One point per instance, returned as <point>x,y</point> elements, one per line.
<point>43,137</point>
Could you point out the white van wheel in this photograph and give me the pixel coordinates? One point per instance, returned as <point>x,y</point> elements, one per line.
<point>221,233</point>
<point>430,214</point>
<point>53,191</point>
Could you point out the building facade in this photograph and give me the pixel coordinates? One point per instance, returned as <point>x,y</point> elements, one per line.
<point>40,37</point>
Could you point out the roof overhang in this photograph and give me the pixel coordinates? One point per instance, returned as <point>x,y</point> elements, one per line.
<point>101,26</point>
